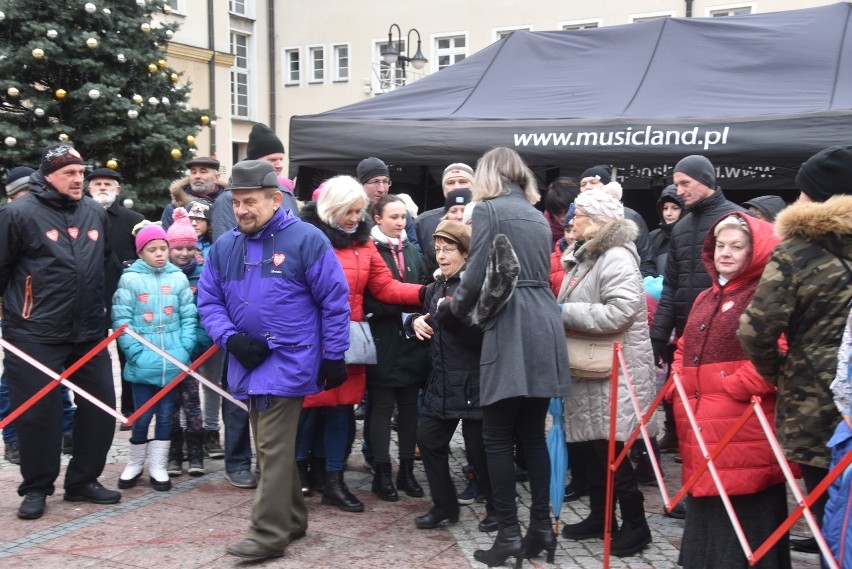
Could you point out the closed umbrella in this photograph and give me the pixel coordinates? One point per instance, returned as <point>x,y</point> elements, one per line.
<point>558,457</point>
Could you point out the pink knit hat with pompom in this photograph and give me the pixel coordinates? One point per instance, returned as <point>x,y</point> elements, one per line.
<point>181,232</point>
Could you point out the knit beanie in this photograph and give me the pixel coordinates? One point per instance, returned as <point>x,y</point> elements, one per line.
<point>370,168</point>
<point>569,215</point>
<point>454,231</point>
<point>18,177</point>
<point>262,142</point>
<point>461,196</point>
<point>59,156</point>
<point>601,172</point>
<point>827,173</point>
<point>699,168</point>
<point>457,169</point>
<point>200,209</point>
<point>181,233</point>
<point>600,206</point>
<point>150,233</point>
<point>614,189</point>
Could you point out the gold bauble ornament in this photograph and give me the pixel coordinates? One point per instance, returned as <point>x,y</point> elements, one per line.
<point>137,99</point>
<point>190,140</point>
<point>92,43</point>
<point>146,28</point>
<point>167,9</point>
<point>152,68</point>
<point>60,93</point>
<point>63,137</point>
<point>204,120</point>
<point>13,91</point>
<point>162,63</point>
<point>176,153</point>
<point>174,77</point>
<point>112,164</point>
<point>38,53</point>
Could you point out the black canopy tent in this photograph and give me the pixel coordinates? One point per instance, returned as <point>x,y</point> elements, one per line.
<point>756,94</point>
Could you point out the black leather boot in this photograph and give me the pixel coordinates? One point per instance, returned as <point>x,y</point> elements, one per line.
<point>335,493</point>
<point>634,534</point>
<point>540,537</point>
<point>304,476</point>
<point>383,482</point>
<point>508,544</point>
<point>318,473</point>
<point>405,480</point>
<point>593,526</point>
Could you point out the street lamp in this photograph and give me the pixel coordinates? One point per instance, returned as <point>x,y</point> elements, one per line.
<point>391,53</point>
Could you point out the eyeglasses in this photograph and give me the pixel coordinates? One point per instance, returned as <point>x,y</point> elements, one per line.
<point>387,183</point>
<point>445,250</point>
<point>576,215</point>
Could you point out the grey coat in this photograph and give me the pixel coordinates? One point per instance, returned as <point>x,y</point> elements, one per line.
<point>609,299</point>
<point>523,348</point>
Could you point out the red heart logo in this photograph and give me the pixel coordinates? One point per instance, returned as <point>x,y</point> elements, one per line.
<point>148,316</point>
<point>73,232</point>
<point>93,234</point>
<point>166,289</point>
<point>169,310</point>
<point>193,288</point>
<point>278,258</point>
<point>142,297</point>
<point>53,235</point>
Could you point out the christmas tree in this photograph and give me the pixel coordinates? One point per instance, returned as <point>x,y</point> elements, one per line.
<point>95,74</point>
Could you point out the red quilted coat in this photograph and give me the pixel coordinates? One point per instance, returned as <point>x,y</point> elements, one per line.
<point>719,380</point>
<point>364,269</point>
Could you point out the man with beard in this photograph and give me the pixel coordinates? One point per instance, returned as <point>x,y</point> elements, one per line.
<point>104,187</point>
<point>202,182</point>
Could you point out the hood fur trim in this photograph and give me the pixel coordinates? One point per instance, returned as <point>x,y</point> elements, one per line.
<point>613,234</point>
<point>816,219</point>
<point>181,198</point>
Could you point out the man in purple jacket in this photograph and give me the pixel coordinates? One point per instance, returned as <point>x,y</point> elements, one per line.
<point>274,295</point>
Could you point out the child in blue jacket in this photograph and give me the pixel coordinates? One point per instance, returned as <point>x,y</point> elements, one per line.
<point>155,301</point>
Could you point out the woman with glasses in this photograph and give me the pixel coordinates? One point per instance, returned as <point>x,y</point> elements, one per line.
<point>524,361</point>
<point>402,365</point>
<point>339,214</point>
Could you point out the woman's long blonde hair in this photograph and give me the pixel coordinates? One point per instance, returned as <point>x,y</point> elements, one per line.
<point>497,169</point>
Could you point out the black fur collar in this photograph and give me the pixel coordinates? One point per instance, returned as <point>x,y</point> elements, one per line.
<point>338,238</point>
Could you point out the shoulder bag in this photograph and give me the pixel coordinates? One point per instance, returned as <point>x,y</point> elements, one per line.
<point>362,347</point>
<point>589,355</point>
<point>501,275</point>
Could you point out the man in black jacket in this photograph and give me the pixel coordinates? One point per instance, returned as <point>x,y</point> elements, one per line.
<point>53,246</point>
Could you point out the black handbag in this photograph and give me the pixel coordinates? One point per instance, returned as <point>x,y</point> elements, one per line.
<point>501,275</point>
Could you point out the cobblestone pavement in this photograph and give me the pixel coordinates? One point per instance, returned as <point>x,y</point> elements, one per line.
<point>189,526</point>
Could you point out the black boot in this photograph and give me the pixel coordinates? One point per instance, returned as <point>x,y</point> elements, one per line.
<point>195,453</point>
<point>304,476</point>
<point>508,544</point>
<point>645,474</point>
<point>540,537</point>
<point>318,474</point>
<point>634,534</point>
<point>383,482</point>
<point>405,480</point>
<point>175,464</point>
<point>335,493</point>
<point>593,526</point>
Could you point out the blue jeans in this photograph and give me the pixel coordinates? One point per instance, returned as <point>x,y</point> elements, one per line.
<point>337,430</point>
<point>237,432</point>
<point>162,410</point>
<point>10,435</point>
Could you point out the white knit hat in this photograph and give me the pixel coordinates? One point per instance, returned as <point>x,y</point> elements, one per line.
<point>600,206</point>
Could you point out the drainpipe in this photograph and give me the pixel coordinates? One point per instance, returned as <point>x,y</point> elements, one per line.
<point>273,87</point>
<point>688,8</point>
<point>211,72</point>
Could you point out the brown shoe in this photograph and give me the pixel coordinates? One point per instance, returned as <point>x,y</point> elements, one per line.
<point>250,549</point>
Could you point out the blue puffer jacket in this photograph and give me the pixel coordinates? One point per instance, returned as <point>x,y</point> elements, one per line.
<point>282,285</point>
<point>835,521</point>
<point>157,304</point>
<point>193,273</point>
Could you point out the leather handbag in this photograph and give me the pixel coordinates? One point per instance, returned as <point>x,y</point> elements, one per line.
<point>362,347</point>
<point>589,355</point>
<point>501,275</point>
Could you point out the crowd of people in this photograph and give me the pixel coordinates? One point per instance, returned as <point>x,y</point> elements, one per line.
<point>742,304</point>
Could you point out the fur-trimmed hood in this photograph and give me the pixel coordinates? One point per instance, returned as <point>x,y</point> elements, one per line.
<point>619,233</point>
<point>338,238</point>
<point>182,193</point>
<point>812,220</point>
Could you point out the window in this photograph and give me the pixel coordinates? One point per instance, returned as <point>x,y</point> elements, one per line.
<point>730,10</point>
<point>503,32</point>
<point>340,53</point>
<point>176,6</point>
<point>580,24</point>
<point>240,75</point>
<point>390,76</point>
<point>449,50</point>
<point>635,19</point>
<point>292,66</point>
<point>239,7</point>
<point>316,61</point>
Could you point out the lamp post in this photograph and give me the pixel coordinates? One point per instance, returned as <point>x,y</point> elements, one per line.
<point>392,54</point>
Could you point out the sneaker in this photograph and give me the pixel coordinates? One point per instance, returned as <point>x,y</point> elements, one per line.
<point>93,492</point>
<point>212,448</point>
<point>242,479</point>
<point>470,494</point>
<point>11,453</point>
<point>32,508</point>
<point>67,444</point>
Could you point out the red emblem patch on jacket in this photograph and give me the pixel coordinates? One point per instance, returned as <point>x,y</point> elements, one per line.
<point>169,310</point>
<point>93,234</point>
<point>166,289</point>
<point>148,317</point>
<point>52,234</point>
<point>73,232</point>
<point>142,297</point>
<point>278,258</point>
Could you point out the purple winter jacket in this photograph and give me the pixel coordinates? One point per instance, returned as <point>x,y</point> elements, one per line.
<point>282,285</point>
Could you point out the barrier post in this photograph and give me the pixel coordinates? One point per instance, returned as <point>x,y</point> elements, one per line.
<point>610,471</point>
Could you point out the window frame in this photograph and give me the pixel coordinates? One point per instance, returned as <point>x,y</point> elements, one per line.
<point>311,50</point>
<point>288,81</point>
<point>506,30</point>
<point>709,10</point>
<point>651,16</point>
<point>437,53</point>
<point>237,72</point>
<point>573,25</point>
<point>335,62</point>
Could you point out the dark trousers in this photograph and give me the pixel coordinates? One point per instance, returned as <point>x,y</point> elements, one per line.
<point>593,456</point>
<point>813,475</point>
<point>40,427</point>
<point>501,422</point>
<point>237,432</point>
<point>433,437</point>
<point>382,400</point>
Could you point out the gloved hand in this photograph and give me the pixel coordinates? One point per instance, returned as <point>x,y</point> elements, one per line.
<point>661,351</point>
<point>445,317</point>
<point>249,352</point>
<point>332,373</point>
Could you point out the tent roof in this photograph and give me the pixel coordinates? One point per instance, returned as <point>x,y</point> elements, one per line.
<point>780,82</point>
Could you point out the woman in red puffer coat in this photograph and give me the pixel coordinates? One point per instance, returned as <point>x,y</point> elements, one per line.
<point>339,214</point>
<point>719,382</point>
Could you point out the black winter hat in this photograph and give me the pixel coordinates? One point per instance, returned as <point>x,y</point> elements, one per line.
<point>262,141</point>
<point>699,168</point>
<point>602,172</point>
<point>371,167</point>
<point>59,156</point>
<point>18,177</point>
<point>104,173</point>
<point>827,173</point>
<point>461,196</point>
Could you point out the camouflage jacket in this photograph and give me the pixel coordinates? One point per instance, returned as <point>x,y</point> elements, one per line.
<point>805,293</point>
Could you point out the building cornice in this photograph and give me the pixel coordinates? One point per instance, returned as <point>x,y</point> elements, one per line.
<point>190,53</point>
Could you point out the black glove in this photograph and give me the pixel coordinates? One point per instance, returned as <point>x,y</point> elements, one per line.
<point>332,373</point>
<point>250,353</point>
<point>661,351</point>
<point>445,317</point>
